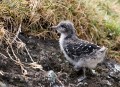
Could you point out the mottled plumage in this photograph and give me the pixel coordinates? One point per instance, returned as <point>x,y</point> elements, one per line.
<point>78,52</point>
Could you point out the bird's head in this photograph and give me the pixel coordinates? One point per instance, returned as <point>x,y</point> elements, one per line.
<point>65,27</point>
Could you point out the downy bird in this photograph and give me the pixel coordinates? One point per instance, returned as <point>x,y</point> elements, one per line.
<point>80,53</point>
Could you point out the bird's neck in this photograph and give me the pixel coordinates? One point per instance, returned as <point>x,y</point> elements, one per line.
<point>67,36</point>
<point>62,37</point>
<point>61,41</point>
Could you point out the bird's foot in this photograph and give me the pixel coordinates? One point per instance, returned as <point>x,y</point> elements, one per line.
<point>94,73</point>
<point>84,75</point>
<point>80,79</point>
<point>81,84</point>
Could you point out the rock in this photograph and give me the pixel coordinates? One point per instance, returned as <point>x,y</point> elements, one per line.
<point>106,82</point>
<point>3,84</point>
<point>51,76</point>
<point>117,67</point>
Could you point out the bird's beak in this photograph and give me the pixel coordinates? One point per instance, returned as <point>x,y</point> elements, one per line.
<point>54,27</point>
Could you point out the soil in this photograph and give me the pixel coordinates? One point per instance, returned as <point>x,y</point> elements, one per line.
<point>47,54</point>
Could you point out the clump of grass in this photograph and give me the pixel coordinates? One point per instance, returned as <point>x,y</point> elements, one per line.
<point>95,20</point>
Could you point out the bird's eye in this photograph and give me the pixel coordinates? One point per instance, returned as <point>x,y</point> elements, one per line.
<point>63,26</point>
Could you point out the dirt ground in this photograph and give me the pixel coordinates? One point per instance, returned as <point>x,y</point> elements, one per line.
<point>48,55</point>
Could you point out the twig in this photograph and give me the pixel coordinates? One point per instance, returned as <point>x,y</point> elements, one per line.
<point>27,51</point>
<point>3,55</point>
<point>29,54</point>
<point>9,39</point>
<point>19,30</point>
<point>13,52</point>
<point>62,85</point>
<point>10,55</point>
<point>17,61</point>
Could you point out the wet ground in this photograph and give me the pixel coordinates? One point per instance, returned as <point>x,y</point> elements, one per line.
<point>48,55</point>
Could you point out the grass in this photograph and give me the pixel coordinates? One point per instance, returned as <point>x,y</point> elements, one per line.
<point>95,20</point>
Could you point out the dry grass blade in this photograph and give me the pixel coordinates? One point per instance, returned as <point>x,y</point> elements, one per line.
<point>16,36</point>
<point>3,55</point>
<point>1,72</point>
<point>36,66</point>
<point>12,39</point>
<point>18,62</point>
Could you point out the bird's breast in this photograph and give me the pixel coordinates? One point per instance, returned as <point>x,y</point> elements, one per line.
<point>61,42</point>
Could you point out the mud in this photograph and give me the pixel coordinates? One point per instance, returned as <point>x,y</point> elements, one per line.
<point>47,53</point>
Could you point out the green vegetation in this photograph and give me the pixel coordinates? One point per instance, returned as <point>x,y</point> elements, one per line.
<point>95,20</point>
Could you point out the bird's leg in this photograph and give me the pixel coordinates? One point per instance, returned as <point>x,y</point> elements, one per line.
<point>77,68</point>
<point>84,75</point>
<point>84,72</point>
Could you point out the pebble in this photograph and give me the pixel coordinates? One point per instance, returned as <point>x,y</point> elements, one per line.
<point>51,76</point>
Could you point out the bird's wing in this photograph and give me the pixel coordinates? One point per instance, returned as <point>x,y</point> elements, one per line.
<point>78,50</point>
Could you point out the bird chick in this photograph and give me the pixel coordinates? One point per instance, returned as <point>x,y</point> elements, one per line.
<point>80,53</point>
